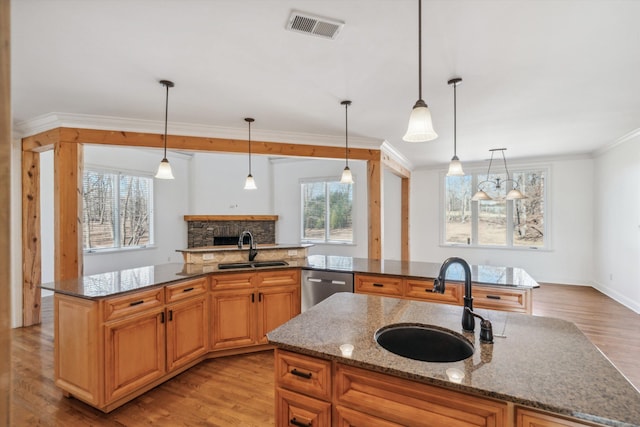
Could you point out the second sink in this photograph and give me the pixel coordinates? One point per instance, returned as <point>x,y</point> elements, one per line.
<point>424,342</point>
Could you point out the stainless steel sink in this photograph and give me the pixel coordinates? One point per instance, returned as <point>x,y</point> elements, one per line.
<point>253,264</point>
<point>424,342</point>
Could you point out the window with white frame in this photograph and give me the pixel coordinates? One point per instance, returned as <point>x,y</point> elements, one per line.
<point>117,210</point>
<point>327,208</point>
<point>497,222</point>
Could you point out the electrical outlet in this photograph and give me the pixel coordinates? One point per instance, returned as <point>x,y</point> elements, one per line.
<point>292,252</point>
<point>207,257</point>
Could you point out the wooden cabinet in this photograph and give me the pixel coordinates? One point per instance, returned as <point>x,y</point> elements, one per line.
<point>187,329</point>
<point>293,409</point>
<point>245,306</point>
<point>491,297</point>
<point>531,418</point>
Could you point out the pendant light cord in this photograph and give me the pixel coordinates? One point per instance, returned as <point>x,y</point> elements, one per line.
<point>419,49</point>
<point>249,148</point>
<point>455,154</point>
<point>346,134</point>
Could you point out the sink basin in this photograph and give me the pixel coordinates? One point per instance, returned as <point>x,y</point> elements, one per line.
<point>424,342</point>
<point>254,264</point>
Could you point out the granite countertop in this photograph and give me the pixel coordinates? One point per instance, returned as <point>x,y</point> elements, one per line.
<point>483,274</point>
<point>538,362</point>
<point>219,248</point>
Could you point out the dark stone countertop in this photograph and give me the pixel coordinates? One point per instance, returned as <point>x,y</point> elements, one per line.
<point>542,363</point>
<point>483,274</point>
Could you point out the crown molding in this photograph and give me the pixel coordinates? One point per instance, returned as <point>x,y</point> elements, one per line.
<point>392,152</point>
<point>624,138</point>
<point>85,121</point>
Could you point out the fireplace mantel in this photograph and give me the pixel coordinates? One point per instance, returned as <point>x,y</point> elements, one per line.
<point>231,217</point>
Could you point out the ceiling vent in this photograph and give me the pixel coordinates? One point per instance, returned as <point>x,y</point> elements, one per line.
<point>301,22</point>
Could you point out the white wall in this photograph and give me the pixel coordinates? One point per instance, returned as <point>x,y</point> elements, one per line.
<point>391,216</point>
<point>286,184</point>
<point>616,250</point>
<point>170,205</point>
<point>217,185</point>
<point>570,260</point>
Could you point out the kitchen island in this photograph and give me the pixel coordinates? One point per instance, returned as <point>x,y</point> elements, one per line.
<point>539,371</point>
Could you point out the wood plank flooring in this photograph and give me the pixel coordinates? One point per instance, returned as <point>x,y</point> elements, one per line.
<point>238,390</point>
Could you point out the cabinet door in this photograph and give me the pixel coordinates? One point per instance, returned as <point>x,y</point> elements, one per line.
<point>276,306</point>
<point>293,409</point>
<point>134,353</point>
<point>530,418</point>
<point>423,290</point>
<point>233,318</point>
<point>187,331</point>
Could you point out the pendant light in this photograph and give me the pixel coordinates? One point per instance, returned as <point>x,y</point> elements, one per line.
<point>497,183</point>
<point>164,169</point>
<point>455,167</point>
<point>250,183</point>
<point>346,178</point>
<point>420,128</point>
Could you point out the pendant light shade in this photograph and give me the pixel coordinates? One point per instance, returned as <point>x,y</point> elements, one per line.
<point>455,167</point>
<point>250,183</point>
<point>347,177</point>
<point>420,127</point>
<point>164,169</point>
<point>497,183</point>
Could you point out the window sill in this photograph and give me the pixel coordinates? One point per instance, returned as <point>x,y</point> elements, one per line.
<point>505,248</point>
<point>116,250</point>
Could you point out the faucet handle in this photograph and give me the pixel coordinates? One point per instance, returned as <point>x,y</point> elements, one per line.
<point>486,329</point>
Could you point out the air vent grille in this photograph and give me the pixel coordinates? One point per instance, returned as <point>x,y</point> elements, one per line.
<point>314,25</point>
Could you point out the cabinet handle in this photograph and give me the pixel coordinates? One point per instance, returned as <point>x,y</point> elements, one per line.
<point>297,423</point>
<point>494,297</point>
<point>297,373</point>
<point>378,285</point>
<point>162,317</point>
<point>131,304</point>
<point>170,315</point>
<point>253,297</point>
<point>187,290</point>
<point>260,297</point>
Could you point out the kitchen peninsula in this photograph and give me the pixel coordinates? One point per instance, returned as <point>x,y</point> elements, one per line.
<point>539,371</point>
<point>173,316</point>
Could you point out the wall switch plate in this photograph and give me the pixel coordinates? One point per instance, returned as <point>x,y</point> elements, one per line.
<point>207,257</point>
<point>292,252</point>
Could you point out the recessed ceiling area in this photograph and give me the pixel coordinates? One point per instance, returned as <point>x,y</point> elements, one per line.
<point>540,78</point>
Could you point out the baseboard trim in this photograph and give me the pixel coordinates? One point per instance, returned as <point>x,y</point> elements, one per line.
<point>617,296</point>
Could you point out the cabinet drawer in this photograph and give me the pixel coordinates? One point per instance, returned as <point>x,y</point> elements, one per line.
<point>422,290</point>
<point>530,418</point>
<point>293,409</point>
<point>278,277</point>
<point>506,299</point>
<point>187,289</point>
<point>303,374</point>
<point>231,281</point>
<point>115,308</point>
<point>378,285</point>
<point>407,402</point>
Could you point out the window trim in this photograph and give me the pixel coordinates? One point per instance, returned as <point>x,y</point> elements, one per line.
<point>152,207</point>
<point>513,168</point>
<point>327,222</point>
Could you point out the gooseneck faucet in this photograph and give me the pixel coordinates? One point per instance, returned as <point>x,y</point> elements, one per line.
<point>468,322</point>
<point>252,245</point>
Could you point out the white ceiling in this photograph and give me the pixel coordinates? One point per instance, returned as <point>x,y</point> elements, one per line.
<point>539,77</point>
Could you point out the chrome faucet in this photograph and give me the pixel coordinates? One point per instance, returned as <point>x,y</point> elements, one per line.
<point>468,321</point>
<point>252,245</point>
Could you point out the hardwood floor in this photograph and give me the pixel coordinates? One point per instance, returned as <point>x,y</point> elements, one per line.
<point>238,390</point>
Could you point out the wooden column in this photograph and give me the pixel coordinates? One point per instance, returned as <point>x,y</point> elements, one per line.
<point>374,189</point>
<point>404,214</point>
<point>67,206</point>
<point>31,242</point>
<point>5,218</point>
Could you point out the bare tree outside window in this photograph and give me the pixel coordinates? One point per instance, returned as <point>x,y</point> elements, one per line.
<point>327,208</point>
<point>116,210</point>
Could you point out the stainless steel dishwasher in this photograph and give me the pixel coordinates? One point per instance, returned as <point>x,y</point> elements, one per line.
<point>318,285</point>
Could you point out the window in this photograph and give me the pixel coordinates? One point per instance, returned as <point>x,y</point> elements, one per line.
<point>116,210</point>
<point>497,222</point>
<point>327,208</point>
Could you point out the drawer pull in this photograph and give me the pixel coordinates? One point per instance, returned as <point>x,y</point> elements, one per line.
<point>297,423</point>
<point>297,373</point>
<point>494,297</point>
<point>131,304</point>
<point>378,285</point>
<point>170,315</point>
<point>162,317</point>
<point>187,290</point>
